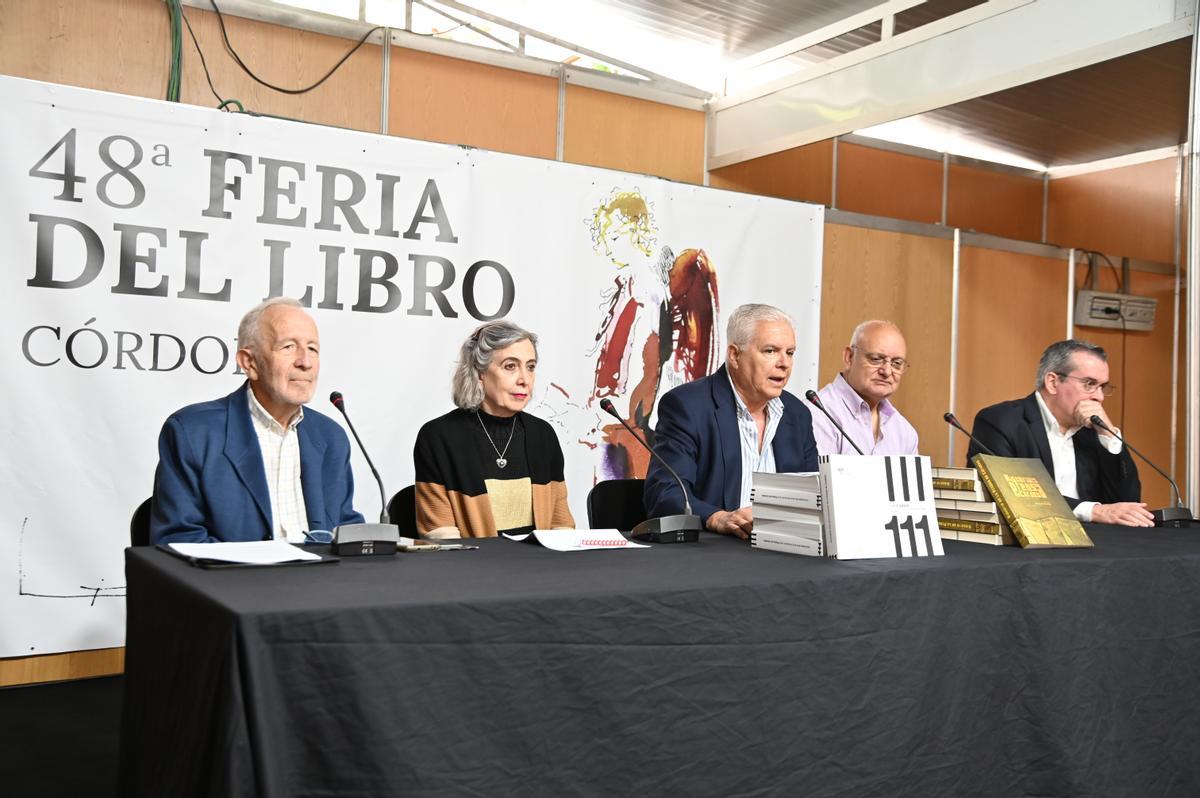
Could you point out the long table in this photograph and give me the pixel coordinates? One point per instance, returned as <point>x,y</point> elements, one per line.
<point>693,669</point>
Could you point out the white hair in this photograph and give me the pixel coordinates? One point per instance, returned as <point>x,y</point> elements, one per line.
<point>250,327</point>
<point>476,355</point>
<point>744,321</point>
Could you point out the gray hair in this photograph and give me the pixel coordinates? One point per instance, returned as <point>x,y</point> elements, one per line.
<point>250,328</point>
<point>476,355</point>
<point>1058,358</point>
<point>861,330</point>
<point>744,321</point>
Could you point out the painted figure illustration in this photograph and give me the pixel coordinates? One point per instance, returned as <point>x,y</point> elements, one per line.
<point>659,327</point>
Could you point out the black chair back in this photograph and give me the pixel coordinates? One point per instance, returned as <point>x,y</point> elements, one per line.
<point>616,504</point>
<point>402,511</point>
<point>139,525</point>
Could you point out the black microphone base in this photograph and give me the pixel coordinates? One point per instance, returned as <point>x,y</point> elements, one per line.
<point>353,540</point>
<point>669,529</point>
<point>1173,518</point>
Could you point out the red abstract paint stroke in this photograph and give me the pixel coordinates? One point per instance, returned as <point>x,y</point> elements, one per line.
<point>694,306</point>
<point>614,352</point>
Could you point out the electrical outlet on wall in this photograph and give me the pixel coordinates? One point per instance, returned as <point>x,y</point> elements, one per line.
<point>1101,309</point>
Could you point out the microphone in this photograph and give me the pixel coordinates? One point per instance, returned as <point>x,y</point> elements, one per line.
<point>351,539</point>
<point>669,528</point>
<point>336,399</point>
<point>811,396</point>
<point>949,418</point>
<point>1177,516</point>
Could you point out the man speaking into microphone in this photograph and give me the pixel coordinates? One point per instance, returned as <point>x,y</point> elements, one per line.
<point>256,464</point>
<point>1092,469</point>
<point>717,431</point>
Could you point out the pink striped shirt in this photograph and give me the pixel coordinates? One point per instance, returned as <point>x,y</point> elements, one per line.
<point>896,435</point>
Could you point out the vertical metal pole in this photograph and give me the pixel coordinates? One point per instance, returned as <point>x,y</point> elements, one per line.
<point>1192,389</point>
<point>385,98</point>
<point>953,341</point>
<point>834,176</point>
<point>708,120</point>
<point>1178,242</point>
<point>945,184</point>
<point>561,123</point>
<point>1071,294</point>
<point>1045,205</point>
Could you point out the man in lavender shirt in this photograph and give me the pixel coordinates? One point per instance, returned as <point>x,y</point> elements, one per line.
<point>872,366</point>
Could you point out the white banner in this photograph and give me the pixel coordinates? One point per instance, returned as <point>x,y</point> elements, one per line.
<point>135,234</point>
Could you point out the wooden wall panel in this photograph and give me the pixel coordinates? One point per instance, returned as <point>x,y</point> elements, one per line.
<point>1126,211</point>
<point>113,45</point>
<point>870,274</point>
<point>1011,307</point>
<point>633,135</point>
<point>58,667</point>
<point>1130,211</point>
<point>801,173</point>
<point>461,102</point>
<point>994,202</point>
<point>885,183</point>
<point>124,46</point>
<point>288,58</point>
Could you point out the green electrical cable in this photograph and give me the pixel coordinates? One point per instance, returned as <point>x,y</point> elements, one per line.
<point>175,70</point>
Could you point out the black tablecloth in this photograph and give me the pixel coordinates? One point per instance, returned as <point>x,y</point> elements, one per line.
<point>702,669</point>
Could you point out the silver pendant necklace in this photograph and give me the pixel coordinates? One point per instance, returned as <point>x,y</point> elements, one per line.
<point>500,460</point>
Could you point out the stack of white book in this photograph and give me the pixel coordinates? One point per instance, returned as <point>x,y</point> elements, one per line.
<point>965,511</point>
<point>787,514</point>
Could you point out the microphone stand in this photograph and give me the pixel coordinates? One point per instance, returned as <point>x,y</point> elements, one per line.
<point>1176,517</point>
<point>950,419</point>
<point>812,397</point>
<point>361,539</point>
<point>668,528</point>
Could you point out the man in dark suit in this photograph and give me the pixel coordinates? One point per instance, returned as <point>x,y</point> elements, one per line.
<point>717,431</point>
<point>1092,469</point>
<point>244,467</point>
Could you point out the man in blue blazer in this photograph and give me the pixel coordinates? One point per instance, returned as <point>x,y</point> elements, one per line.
<point>717,431</point>
<point>256,464</point>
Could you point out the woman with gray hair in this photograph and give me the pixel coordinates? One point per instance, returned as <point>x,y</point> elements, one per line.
<point>488,467</point>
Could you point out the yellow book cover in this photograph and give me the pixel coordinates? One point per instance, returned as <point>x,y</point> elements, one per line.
<point>1030,503</point>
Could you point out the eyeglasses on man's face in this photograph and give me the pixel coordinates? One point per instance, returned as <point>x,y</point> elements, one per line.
<point>1089,385</point>
<point>877,359</point>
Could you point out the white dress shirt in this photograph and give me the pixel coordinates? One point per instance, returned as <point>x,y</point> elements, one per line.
<point>281,461</point>
<point>1062,454</point>
<point>754,457</point>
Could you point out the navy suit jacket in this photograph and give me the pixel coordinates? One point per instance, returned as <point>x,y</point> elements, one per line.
<point>1016,429</point>
<point>697,433</point>
<point>210,484</point>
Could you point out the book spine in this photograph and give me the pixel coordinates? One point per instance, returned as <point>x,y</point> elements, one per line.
<point>961,525</point>
<point>810,501</point>
<point>1005,511</point>
<point>947,483</point>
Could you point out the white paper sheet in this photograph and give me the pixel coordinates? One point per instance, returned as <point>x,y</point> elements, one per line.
<point>255,552</point>
<point>580,539</point>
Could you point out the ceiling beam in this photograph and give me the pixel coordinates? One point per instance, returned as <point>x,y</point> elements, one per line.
<point>793,46</point>
<point>984,49</point>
